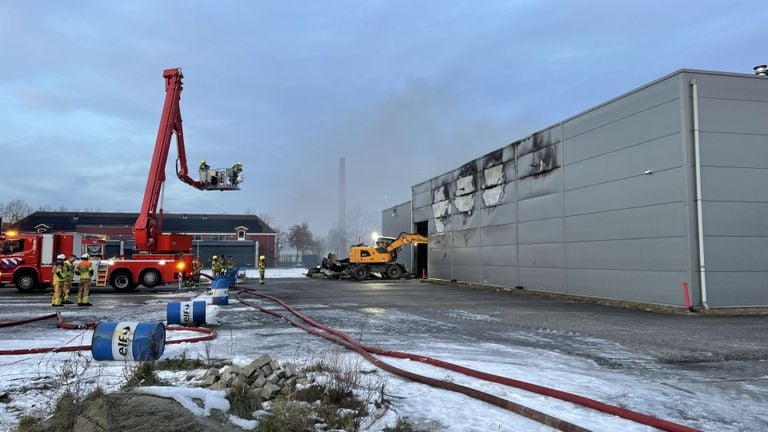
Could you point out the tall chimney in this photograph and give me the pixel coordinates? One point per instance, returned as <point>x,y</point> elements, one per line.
<point>342,216</point>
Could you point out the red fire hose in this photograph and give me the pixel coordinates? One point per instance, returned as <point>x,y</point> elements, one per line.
<point>60,323</point>
<point>534,388</point>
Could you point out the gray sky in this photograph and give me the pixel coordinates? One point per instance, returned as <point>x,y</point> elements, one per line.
<point>404,90</point>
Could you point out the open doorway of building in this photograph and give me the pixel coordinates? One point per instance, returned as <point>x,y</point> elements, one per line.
<point>420,259</point>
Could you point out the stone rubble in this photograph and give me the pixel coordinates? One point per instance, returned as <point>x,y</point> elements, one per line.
<point>264,376</point>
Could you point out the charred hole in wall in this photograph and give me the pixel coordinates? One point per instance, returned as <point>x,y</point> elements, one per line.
<point>492,158</point>
<point>543,162</point>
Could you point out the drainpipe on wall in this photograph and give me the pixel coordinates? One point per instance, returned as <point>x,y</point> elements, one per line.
<point>699,217</point>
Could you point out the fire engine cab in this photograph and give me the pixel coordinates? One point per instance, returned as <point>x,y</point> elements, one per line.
<point>26,260</point>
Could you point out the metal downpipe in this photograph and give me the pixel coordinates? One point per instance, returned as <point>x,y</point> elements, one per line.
<point>699,213</point>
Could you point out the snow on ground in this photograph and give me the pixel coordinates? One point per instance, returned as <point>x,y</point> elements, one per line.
<point>245,333</point>
<point>270,273</point>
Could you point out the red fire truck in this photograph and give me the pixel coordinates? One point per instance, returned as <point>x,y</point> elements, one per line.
<point>26,260</point>
<point>161,258</point>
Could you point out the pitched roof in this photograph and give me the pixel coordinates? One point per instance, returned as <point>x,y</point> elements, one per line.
<point>172,222</point>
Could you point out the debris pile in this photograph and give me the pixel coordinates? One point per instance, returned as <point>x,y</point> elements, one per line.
<point>264,376</point>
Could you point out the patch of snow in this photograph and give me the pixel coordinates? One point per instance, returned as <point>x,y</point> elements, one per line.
<point>212,399</point>
<point>243,423</point>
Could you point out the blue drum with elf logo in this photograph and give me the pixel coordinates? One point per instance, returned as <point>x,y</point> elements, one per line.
<point>188,313</point>
<point>128,341</point>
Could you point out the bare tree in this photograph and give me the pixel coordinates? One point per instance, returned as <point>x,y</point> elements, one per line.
<point>15,211</point>
<point>300,237</point>
<point>319,246</point>
<point>281,240</point>
<point>360,225</point>
<point>267,218</point>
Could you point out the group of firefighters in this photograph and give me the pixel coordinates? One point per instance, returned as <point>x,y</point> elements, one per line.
<point>64,271</point>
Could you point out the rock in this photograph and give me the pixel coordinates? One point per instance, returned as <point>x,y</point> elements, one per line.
<point>269,390</point>
<point>302,381</point>
<point>260,362</point>
<point>219,385</point>
<point>285,391</point>
<point>289,370</point>
<point>290,383</point>
<point>281,382</point>
<point>273,378</point>
<point>266,370</point>
<point>210,380</point>
<point>274,365</point>
<point>260,381</point>
<point>235,369</point>
<point>211,372</point>
<point>280,372</point>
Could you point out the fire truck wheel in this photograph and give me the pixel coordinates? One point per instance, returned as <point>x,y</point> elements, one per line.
<point>122,281</point>
<point>150,278</point>
<point>25,281</point>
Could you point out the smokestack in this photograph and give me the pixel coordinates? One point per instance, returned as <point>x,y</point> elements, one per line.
<point>342,216</point>
<point>761,70</point>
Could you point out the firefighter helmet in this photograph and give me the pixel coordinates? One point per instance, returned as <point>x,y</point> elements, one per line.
<point>85,256</point>
<point>262,257</point>
<point>61,256</point>
<point>214,257</point>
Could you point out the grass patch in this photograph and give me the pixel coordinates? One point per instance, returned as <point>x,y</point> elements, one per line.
<point>143,374</point>
<point>287,416</point>
<point>402,425</point>
<point>243,401</point>
<point>28,423</point>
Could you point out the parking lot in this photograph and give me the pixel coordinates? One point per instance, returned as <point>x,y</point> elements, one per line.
<point>708,371</point>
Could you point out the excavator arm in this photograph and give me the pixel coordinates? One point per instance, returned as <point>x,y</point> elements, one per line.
<point>148,226</point>
<point>404,239</point>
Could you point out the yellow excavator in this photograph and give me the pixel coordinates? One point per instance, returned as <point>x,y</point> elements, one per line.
<point>364,260</point>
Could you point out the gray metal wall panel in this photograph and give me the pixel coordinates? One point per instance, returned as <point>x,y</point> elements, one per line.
<point>466,256</point>
<point>643,286</point>
<point>729,87</point>
<point>662,254</point>
<point>468,273</point>
<point>541,255</point>
<point>628,105</point>
<point>733,116</point>
<point>496,235</point>
<point>422,214</point>
<point>423,199</point>
<point>736,254</point>
<point>439,271</point>
<point>542,279</point>
<point>544,184</point>
<point>540,207</point>
<point>423,187</point>
<point>643,190</point>
<point>666,220</point>
<point>733,150</point>
<point>467,238</point>
<point>655,155</point>
<point>734,184</point>
<point>499,255</point>
<point>508,152</point>
<point>500,276</point>
<point>499,215</point>
<point>736,289</point>
<point>541,231</point>
<point>739,219</point>
<point>641,127</point>
<point>467,220</point>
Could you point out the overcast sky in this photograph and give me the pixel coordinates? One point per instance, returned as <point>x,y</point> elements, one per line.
<point>405,90</point>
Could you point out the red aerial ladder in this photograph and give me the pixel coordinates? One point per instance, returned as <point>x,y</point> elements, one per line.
<point>162,257</point>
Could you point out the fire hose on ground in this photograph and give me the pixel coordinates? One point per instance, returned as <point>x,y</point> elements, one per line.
<point>209,334</point>
<point>366,351</point>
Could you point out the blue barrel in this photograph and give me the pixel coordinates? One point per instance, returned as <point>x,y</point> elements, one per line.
<point>232,277</point>
<point>128,341</point>
<point>186,313</point>
<point>220,288</point>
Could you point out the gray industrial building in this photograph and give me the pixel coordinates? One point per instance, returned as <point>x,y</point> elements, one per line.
<point>663,186</point>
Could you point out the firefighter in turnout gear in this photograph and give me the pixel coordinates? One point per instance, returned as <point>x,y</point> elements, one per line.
<point>69,273</point>
<point>262,268</point>
<point>215,266</point>
<point>197,267</point>
<point>58,280</point>
<point>85,271</point>
<point>230,264</point>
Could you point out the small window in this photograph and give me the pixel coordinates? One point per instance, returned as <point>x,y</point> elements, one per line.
<point>241,234</point>
<point>13,246</point>
<point>197,237</point>
<point>365,253</point>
